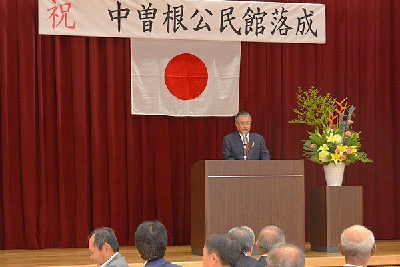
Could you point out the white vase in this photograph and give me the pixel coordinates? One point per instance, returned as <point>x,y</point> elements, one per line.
<point>334,173</point>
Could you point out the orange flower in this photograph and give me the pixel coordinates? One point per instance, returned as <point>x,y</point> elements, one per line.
<point>332,119</point>
<point>341,106</point>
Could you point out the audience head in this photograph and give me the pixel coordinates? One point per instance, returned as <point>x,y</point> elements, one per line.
<point>245,236</point>
<point>102,245</point>
<point>221,250</point>
<point>151,240</point>
<point>357,245</point>
<point>269,237</point>
<point>285,255</point>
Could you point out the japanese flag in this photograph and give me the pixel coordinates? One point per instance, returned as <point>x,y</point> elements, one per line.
<point>185,77</point>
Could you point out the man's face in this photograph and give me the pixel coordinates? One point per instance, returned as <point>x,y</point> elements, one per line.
<point>243,124</point>
<point>97,255</point>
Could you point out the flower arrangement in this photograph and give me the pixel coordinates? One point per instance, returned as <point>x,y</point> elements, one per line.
<point>333,139</point>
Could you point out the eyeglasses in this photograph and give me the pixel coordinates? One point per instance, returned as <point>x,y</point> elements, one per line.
<point>245,123</point>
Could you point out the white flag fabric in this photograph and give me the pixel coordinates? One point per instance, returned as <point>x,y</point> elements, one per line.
<point>245,21</point>
<point>185,77</point>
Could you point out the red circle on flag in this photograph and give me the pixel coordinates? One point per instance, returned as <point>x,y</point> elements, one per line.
<point>186,76</point>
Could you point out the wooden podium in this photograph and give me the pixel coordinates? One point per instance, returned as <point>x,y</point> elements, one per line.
<point>332,209</point>
<point>255,193</point>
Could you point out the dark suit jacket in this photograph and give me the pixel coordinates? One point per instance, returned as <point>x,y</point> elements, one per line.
<point>247,261</point>
<point>118,261</point>
<point>161,263</point>
<point>232,147</point>
<point>263,260</point>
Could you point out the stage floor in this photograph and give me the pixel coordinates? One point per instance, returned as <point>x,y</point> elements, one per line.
<point>388,254</point>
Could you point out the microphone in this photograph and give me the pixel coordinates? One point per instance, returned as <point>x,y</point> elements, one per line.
<point>244,138</point>
<point>244,145</point>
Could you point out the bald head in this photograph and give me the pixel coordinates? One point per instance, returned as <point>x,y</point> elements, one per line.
<point>357,244</point>
<point>286,255</point>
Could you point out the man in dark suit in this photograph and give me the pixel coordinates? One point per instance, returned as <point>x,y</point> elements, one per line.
<point>287,255</point>
<point>221,250</point>
<point>151,242</point>
<point>357,245</point>
<point>269,237</point>
<point>103,247</point>
<point>246,238</point>
<point>234,144</point>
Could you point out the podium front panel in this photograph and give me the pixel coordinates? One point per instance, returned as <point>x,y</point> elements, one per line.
<point>226,194</point>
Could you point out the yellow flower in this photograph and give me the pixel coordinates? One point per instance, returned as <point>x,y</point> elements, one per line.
<point>342,148</point>
<point>324,147</point>
<point>323,156</point>
<point>334,138</point>
<point>336,157</point>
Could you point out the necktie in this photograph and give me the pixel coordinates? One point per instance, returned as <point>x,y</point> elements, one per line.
<point>247,148</point>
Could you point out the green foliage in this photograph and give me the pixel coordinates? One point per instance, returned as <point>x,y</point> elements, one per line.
<point>313,108</point>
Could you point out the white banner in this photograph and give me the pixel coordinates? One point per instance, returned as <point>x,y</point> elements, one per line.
<point>179,19</point>
<point>185,77</point>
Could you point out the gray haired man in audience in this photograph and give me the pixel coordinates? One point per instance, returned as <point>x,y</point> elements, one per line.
<point>103,247</point>
<point>286,255</point>
<point>269,237</point>
<point>221,250</point>
<point>246,238</point>
<point>357,245</point>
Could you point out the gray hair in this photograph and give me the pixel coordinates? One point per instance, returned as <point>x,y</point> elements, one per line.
<point>104,235</point>
<point>286,255</point>
<point>358,244</point>
<point>242,114</point>
<point>245,236</point>
<point>269,237</point>
<point>226,247</point>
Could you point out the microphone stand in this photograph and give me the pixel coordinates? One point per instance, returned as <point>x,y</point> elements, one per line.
<point>244,145</point>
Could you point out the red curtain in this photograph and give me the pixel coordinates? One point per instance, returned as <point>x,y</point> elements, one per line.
<point>73,158</point>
